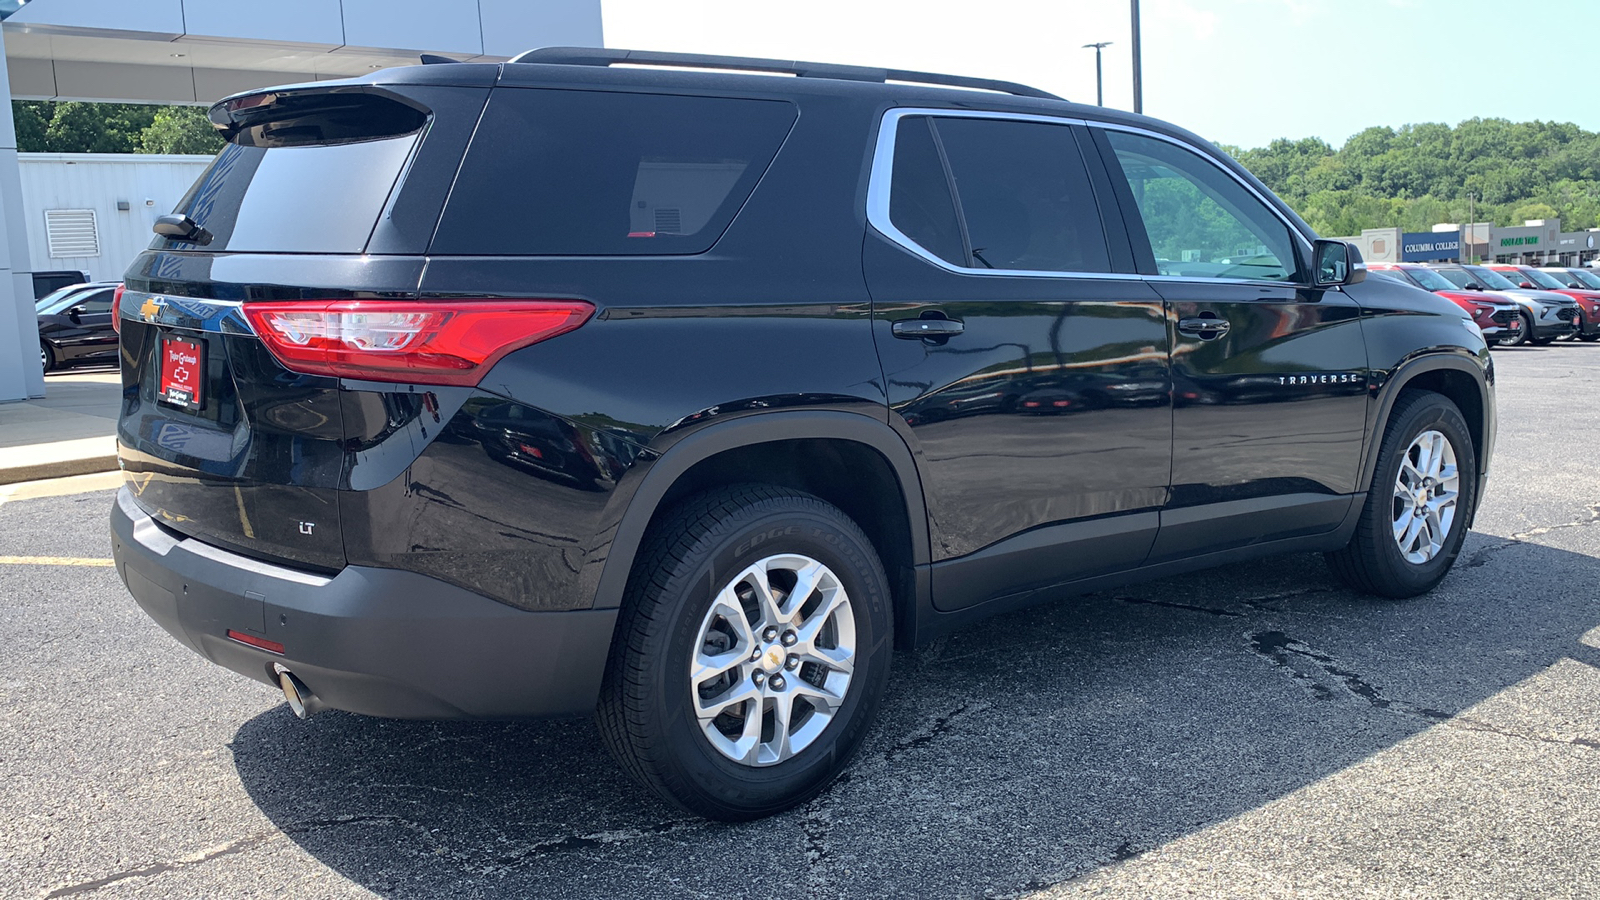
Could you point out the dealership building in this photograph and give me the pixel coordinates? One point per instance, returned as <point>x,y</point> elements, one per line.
<point>196,51</point>
<point>1537,242</point>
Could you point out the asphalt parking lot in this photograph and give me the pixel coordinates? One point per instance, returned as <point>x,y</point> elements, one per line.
<point>1254,731</point>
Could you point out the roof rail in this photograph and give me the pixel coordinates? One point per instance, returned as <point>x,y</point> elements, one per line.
<point>597,56</point>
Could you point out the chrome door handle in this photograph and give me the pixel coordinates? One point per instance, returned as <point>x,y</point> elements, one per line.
<point>1207,327</point>
<point>914,329</point>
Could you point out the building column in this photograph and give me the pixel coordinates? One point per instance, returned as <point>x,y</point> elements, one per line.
<point>21,376</point>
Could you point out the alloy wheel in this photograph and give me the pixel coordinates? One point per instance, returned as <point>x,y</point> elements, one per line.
<point>1425,493</point>
<point>773,659</point>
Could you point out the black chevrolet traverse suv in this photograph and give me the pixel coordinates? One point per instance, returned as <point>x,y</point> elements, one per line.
<point>683,397</point>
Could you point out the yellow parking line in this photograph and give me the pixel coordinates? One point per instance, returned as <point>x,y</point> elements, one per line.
<point>54,561</point>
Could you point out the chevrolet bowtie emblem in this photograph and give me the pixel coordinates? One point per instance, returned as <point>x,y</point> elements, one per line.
<point>150,310</point>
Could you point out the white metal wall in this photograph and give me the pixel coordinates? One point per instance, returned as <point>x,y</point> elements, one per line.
<point>152,185</point>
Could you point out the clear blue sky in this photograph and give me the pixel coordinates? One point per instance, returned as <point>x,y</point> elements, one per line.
<point>1235,71</point>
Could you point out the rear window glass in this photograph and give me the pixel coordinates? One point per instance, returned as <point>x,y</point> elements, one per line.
<point>580,173</point>
<point>315,198</point>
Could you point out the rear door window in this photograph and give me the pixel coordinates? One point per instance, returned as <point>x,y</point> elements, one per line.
<point>996,194</point>
<point>587,173</point>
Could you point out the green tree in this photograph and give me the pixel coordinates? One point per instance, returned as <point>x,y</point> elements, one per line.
<point>75,127</point>
<point>179,129</point>
<point>1528,211</point>
<point>1420,174</point>
<point>32,118</point>
<point>97,127</point>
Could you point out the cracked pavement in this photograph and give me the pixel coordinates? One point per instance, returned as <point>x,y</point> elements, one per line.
<point>1253,731</point>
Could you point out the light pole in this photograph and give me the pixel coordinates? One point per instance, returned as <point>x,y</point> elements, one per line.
<point>1099,82</point>
<point>1138,76</point>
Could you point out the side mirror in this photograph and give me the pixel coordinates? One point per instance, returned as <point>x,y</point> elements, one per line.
<point>1474,286</point>
<point>76,313</point>
<point>1575,284</point>
<point>1525,284</point>
<point>1334,263</point>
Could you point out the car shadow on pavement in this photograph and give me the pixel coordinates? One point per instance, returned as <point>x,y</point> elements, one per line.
<point>1022,752</point>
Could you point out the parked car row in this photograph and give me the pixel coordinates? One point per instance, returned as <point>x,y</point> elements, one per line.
<point>1512,304</point>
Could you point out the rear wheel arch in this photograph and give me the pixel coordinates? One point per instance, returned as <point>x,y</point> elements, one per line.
<point>852,461</point>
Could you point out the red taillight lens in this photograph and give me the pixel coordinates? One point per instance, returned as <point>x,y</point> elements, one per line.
<point>450,342</point>
<point>116,308</point>
<point>257,642</point>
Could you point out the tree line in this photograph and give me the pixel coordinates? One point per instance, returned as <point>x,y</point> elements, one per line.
<point>1413,177</point>
<point>69,126</point>
<point>1418,175</point>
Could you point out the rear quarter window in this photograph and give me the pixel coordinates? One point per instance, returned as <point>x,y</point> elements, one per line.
<point>595,173</point>
<point>311,198</point>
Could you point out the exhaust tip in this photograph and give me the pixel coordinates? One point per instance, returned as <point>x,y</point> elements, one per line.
<point>302,702</point>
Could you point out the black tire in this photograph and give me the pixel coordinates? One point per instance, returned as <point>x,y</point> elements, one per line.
<point>1525,333</point>
<point>1372,562</point>
<point>47,357</point>
<point>646,714</point>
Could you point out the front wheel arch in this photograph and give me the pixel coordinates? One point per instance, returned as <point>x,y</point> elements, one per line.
<point>1461,380</point>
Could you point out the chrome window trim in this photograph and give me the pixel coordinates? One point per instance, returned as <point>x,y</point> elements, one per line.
<point>882,172</point>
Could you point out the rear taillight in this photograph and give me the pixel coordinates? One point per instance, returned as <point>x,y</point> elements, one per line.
<point>116,308</point>
<point>446,342</point>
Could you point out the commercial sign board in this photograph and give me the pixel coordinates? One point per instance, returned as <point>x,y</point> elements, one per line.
<point>1423,246</point>
<point>1521,239</point>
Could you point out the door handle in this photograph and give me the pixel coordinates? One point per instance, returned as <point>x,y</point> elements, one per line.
<point>1206,327</point>
<point>916,329</point>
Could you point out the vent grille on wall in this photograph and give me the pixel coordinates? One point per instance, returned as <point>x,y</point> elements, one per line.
<point>669,221</point>
<point>71,232</point>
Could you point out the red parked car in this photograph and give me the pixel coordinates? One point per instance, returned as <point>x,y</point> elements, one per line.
<point>1495,317</point>
<point>1588,321</point>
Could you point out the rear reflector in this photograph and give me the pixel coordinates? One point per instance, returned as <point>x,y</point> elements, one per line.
<point>427,342</point>
<point>253,641</point>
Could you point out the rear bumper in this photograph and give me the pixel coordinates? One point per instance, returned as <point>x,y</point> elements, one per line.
<point>380,642</point>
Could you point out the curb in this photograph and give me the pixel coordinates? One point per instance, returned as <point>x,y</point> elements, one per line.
<point>59,468</point>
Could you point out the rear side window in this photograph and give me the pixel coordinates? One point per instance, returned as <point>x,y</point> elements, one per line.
<point>591,173</point>
<point>996,194</point>
<point>1025,195</point>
